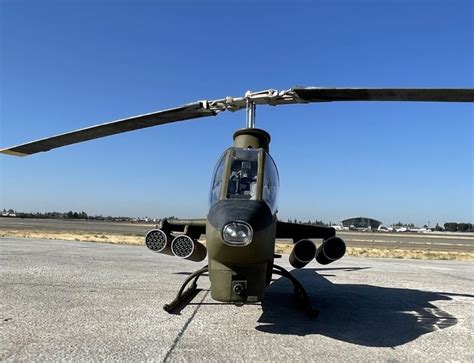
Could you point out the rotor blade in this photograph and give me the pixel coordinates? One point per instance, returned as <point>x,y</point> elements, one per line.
<point>186,112</point>
<point>314,94</point>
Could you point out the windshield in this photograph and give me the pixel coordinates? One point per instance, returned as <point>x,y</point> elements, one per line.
<point>271,183</point>
<point>216,183</point>
<point>243,174</point>
<point>240,175</point>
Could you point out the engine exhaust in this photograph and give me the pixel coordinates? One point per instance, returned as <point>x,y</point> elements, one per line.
<point>158,241</point>
<point>303,252</point>
<point>331,250</point>
<point>185,247</point>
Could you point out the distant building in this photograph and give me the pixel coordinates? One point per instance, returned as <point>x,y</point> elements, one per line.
<point>361,223</point>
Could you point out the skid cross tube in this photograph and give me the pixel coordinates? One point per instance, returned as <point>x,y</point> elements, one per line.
<point>184,297</point>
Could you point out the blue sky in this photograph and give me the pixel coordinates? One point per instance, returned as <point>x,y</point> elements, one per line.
<point>72,64</point>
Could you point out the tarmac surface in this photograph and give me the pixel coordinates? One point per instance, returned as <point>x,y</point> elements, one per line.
<point>63,300</point>
<point>429,242</point>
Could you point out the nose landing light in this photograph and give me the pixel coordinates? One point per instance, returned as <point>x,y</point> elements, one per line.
<point>237,233</point>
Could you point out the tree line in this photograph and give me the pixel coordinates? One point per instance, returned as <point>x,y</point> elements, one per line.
<point>458,227</point>
<point>62,215</point>
<point>312,223</point>
<point>449,227</point>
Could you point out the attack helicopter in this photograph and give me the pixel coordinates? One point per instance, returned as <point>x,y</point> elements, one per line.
<point>242,226</point>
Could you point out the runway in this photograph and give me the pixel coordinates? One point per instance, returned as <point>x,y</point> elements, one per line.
<point>65,300</point>
<point>429,242</point>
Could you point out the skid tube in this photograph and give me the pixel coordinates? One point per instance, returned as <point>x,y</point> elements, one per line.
<point>184,297</point>
<point>299,291</point>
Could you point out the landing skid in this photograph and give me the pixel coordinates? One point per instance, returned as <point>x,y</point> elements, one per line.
<point>299,291</point>
<point>184,297</point>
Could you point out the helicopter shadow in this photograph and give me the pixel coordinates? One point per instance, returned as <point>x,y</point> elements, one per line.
<point>359,314</point>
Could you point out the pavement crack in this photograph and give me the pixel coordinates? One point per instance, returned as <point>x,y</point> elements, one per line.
<point>183,330</point>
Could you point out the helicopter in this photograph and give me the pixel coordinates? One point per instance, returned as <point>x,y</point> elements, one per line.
<point>242,225</point>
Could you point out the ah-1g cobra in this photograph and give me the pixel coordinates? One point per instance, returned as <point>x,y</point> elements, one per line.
<point>241,226</point>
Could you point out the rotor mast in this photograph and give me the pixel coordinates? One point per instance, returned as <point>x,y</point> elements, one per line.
<point>251,110</point>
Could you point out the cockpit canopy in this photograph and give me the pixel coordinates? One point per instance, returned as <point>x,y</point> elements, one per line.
<point>245,173</point>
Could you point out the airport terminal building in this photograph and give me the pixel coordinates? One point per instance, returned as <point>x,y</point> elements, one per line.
<point>361,222</point>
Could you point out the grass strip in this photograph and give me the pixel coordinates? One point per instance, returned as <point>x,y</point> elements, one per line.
<point>280,248</point>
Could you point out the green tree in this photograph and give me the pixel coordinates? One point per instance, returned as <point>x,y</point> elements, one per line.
<point>464,227</point>
<point>451,227</point>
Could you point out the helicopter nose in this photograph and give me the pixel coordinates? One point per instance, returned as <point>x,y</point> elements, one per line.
<point>239,220</point>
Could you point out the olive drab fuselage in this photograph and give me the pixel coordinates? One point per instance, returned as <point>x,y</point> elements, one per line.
<point>240,273</point>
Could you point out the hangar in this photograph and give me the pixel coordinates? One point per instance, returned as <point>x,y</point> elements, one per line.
<point>361,222</point>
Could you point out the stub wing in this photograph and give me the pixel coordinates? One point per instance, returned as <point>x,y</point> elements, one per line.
<point>196,227</point>
<point>302,231</point>
<point>331,249</point>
